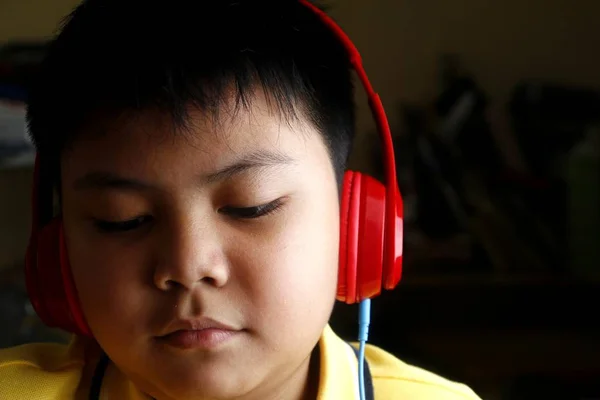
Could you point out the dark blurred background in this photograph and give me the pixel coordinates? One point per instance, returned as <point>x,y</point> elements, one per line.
<point>495,109</point>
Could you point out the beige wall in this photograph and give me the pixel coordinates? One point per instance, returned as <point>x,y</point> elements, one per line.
<point>500,41</point>
<point>32,19</point>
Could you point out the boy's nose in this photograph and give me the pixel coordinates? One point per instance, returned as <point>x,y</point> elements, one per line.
<point>188,257</point>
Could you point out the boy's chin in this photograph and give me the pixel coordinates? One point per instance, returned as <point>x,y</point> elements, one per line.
<point>223,375</point>
<point>200,383</point>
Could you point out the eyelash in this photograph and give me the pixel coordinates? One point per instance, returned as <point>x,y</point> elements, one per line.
<point>121,226</point>
<point>236,212</point>
<point>253,212</point>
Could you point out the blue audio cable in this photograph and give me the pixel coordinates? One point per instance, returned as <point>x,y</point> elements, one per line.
<point>364,319</point>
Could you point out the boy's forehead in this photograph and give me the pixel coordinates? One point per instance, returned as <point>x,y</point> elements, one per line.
<point>235,130</point>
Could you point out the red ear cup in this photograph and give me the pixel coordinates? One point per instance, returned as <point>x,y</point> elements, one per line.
<point>362,223</point>
<point>392,265</point>
<point>50,283</point>
<point>32,281</point>
<point>346,290</point>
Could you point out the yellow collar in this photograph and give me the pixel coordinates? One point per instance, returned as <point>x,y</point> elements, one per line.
<point>338,368</point>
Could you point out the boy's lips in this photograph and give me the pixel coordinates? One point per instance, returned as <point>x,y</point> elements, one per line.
<point>196,324</point>
<point>199,333</point>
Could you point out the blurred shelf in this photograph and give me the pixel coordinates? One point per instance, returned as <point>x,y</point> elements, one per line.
<point>422,304</point>
<point>474,280</point>
<point>528,301</point>
<point>493,331</point>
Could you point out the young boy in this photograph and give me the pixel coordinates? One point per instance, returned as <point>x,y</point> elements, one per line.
<point>198,149</point>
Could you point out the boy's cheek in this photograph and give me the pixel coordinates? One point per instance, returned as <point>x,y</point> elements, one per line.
<point>301,272</point>
<point>108,282</point>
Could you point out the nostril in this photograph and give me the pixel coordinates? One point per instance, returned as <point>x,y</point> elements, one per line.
<point>175,284</point>
<point>170,284</point>
<point>209,280</point>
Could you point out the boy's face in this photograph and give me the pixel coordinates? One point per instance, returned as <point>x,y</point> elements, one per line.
<point>194,249</point>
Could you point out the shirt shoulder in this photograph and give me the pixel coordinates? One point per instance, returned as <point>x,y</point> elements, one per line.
<point>41,371</point>
<point>395,379</point>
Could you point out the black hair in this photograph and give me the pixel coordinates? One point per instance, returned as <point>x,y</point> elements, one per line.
<point>114,57</point>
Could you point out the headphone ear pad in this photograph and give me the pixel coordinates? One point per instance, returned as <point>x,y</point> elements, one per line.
<point>346,289</point>
<point>50,283</point>
<point>361,238</point>
<point>371,236</point>
<point>32,280</point>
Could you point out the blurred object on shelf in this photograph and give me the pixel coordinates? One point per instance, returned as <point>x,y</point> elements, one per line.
<point>548,120</point>
<point>462,120</point>
<point>437,256</point>
<point>583,181</point>
<point>461,188</point>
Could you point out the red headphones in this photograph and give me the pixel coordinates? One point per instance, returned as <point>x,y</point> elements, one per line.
<point>370,231</point>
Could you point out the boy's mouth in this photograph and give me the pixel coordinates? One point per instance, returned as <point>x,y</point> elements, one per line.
<point>200,333</point>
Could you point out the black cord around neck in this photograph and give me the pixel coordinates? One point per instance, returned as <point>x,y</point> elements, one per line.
<point>98,377</point>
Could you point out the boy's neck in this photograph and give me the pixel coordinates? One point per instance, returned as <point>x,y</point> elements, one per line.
<point>302,384</point>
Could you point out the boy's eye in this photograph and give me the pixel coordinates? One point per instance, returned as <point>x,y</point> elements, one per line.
<point>236,212</point>
<point>121,226</point>
<point>252,212</point>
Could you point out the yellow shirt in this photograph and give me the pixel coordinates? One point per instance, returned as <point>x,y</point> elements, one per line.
<point>54,371</point>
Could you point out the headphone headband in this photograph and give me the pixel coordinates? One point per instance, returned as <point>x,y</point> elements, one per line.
<point>392,208</point>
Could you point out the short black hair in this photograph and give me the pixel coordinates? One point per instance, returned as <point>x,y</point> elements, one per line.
<point>126,56</point>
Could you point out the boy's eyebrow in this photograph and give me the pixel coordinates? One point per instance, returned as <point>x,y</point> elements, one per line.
<point>109,180</point>
<point>260,158</point>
